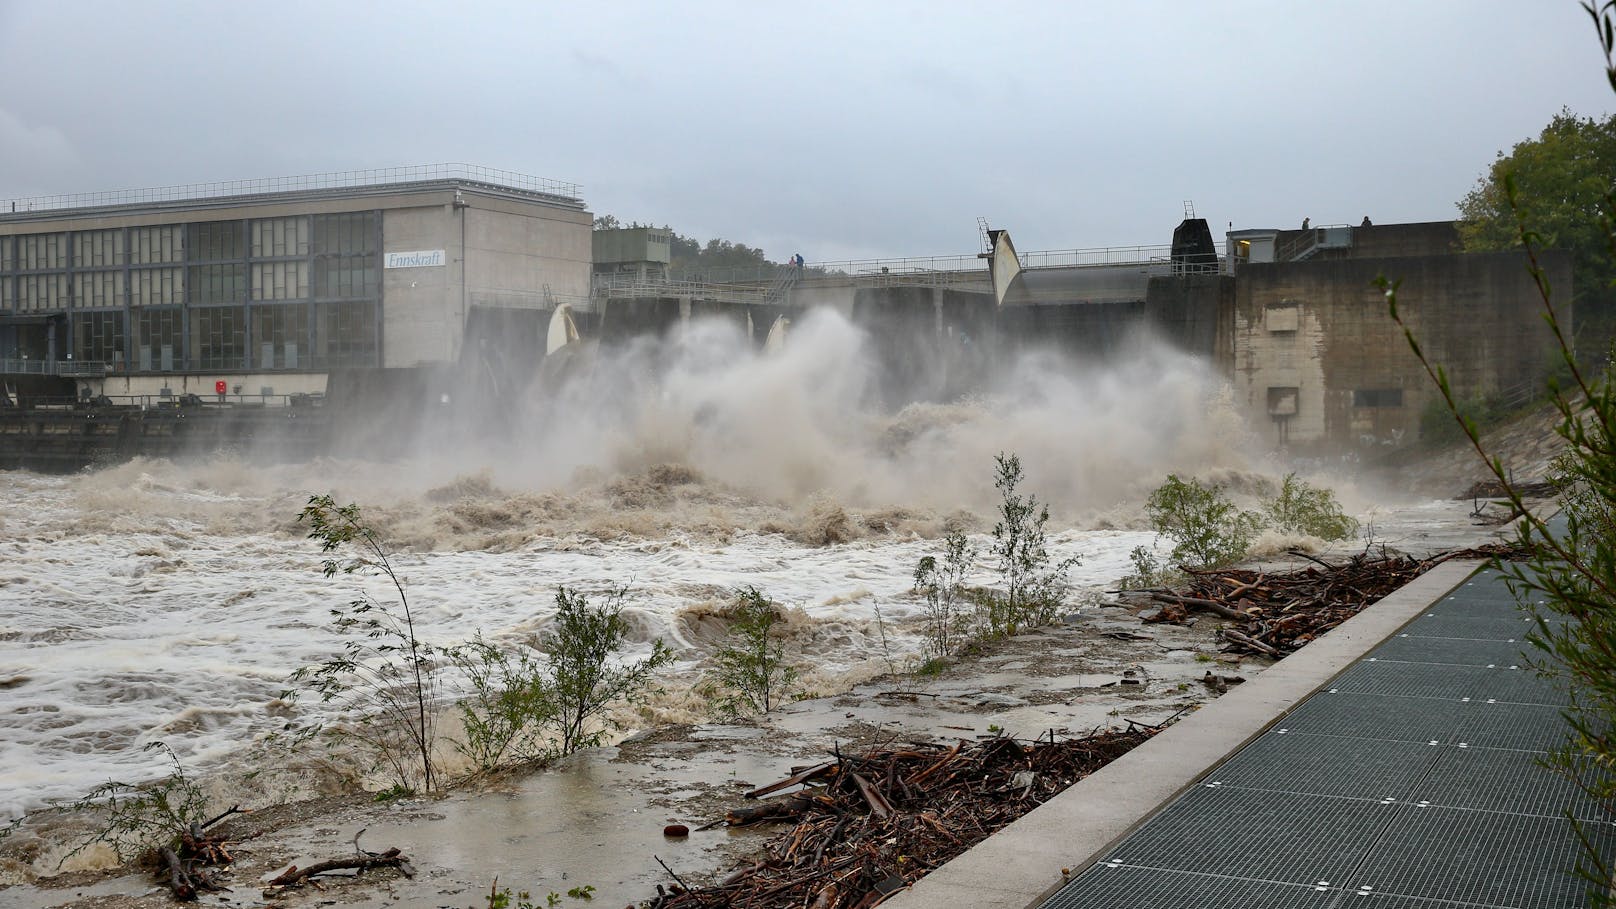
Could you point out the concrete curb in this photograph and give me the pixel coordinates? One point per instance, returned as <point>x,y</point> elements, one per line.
<point>1020,866</point>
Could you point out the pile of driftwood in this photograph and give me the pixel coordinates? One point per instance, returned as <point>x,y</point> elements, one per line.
<point>868,826</point>
<point>183,865</point>
<point>1275,613</point>
<point>186,864</point>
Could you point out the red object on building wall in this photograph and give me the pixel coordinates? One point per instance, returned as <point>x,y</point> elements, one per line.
<point>219,386</point>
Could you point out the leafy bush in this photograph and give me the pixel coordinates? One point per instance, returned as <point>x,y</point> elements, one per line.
<point>1148,571</point>
<point>1207,530</point>
<point>941,585</point>
<point>583,679</point>
<point>1033,588</point>
<point>750,672</point>
<point>1301,507</point>
<point>509,708</point>
<point>386,677</point>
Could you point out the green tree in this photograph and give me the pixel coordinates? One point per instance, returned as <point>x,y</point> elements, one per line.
<point>691,255</point>
<point>1561,178</point>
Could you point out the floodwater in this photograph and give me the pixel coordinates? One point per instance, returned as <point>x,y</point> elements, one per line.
<point>141,605</point>
<point>163,602</point>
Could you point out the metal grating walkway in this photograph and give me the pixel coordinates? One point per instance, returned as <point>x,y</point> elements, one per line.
<point>1412,780</point>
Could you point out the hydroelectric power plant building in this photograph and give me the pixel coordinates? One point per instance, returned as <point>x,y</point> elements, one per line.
<point>265,287</point>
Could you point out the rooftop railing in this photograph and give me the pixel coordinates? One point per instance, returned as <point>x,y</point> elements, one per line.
<point>470,173</point>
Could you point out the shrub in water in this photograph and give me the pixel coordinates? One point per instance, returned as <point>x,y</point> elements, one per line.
<point>1207,530</point>
<point>941,585</point>
<point>1301,507</point>
<point>1033,588</point>
<point>750,673</point>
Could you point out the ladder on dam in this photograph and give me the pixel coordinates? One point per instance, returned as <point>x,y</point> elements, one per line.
<point>784,279</point>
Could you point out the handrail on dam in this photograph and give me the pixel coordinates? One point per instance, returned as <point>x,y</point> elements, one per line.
<point>915,265</point>
<point>633,287</point>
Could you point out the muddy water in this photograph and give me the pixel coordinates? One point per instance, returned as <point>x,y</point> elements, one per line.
<point>161,602</point>
<point>189,578</point>
<point>170,610</point>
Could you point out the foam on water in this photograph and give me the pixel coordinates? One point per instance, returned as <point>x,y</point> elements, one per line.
<point>167,627</point>
<point>153,601</point>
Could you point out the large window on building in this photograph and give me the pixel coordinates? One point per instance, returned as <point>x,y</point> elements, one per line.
<point>217,284</point>
<point>338,277</point>
<point>156,245</point>
<point>42,293</point>
<point>42,251</point>
<point>98,337</point>
<point>97,289</point>
<point>280,237</point>
<point>280,280</point>
<point>98,249</point>
<point>156,286</point>
<point>159,336</point>
<point>211,241</point>
<point>346,335</point>
<point>346,234</point>
<point>305,289</point>
<point>345,258</point>
<point>218,337</point>
<point>280,335</point>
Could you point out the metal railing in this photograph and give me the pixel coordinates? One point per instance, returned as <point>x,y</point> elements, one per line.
<point>176,400</point>
<point>525,299</point>
<point>568,192</point>
<point>232,366</point>
<point>74,368</point>
<point>617,287</point>
<point>1304,243</point>
<point>1049,258</point>
<point>912,265</point>
<point>785,278</point>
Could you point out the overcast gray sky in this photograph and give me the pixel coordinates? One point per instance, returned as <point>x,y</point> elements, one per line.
<point>840,130</point>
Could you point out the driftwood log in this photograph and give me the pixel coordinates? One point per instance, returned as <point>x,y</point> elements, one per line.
<point>392,858</point>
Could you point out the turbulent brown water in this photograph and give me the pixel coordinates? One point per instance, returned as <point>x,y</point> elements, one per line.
<point>159,601</point>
